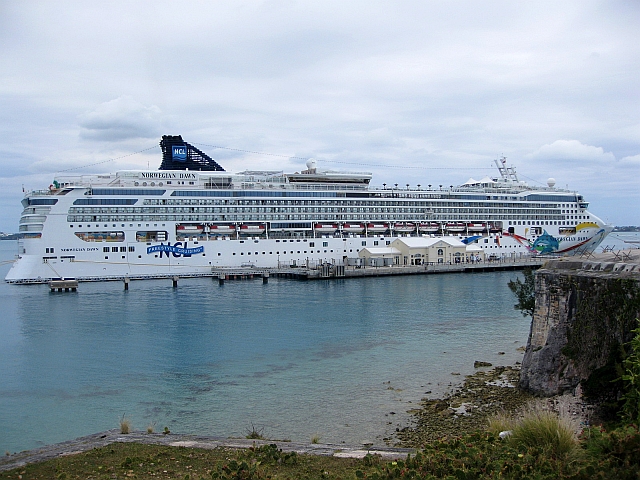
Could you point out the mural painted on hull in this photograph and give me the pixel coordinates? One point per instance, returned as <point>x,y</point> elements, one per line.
<point>547,243</point>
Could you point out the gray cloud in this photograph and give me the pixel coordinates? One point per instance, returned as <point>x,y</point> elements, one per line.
<point>120,119</point>
<point>572,150</point>
<point>402,89</point>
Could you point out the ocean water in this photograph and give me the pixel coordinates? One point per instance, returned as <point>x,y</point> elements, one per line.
<point>341,359</point>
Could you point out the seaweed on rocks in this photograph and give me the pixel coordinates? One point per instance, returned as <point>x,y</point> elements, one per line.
<point>467,408</point>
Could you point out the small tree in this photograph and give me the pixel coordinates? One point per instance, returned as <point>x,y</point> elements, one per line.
<point>525,292</point>
<point>631,379</point>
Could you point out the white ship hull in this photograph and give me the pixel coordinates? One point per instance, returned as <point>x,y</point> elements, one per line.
<point>145,224</point>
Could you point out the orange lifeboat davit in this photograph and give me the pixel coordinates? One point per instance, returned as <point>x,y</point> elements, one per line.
<point>404,227</point>
<point>429,227</point>
<point>455,227</point>
<point>325,227</point>
<point>189,229</point>
<point>476,227</point>
<point>377,227</point>
<point>246,229</point>
<point>222,229</point>
<point>353,227</point>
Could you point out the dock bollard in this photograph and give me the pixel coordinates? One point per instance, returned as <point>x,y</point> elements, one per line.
<point>175,282</point>
<point>265,277</point>
<point>126,283</point>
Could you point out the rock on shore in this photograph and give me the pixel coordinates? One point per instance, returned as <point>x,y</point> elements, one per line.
<point>467,408</point>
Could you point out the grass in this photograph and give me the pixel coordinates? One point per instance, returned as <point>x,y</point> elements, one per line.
<point>547,431</point>
<point>477,455</point>
<point>130,460</point>
<point>255,433</point>
<point>539,428</point>
<point>125,425</point>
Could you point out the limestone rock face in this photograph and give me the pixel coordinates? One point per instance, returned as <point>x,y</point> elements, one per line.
<point>585,312</point>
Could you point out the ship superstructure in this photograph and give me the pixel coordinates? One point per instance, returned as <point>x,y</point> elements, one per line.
<point>191,216</point>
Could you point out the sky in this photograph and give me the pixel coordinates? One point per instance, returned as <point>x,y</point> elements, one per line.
<point>415,92</point>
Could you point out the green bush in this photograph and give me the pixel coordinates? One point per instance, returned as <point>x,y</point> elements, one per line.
<point>546,431</point>
<point>631,382</point>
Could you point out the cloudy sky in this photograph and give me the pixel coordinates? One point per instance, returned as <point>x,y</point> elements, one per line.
<point>418,92</point>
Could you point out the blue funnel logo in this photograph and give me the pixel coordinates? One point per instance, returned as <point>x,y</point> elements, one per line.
<point>179,153</point>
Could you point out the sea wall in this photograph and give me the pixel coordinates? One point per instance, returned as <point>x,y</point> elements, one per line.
<point>585,313</point>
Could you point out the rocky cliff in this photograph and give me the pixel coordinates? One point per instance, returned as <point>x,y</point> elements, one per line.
<point>585,313</point>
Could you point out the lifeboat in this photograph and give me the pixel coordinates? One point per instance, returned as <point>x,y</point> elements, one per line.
<point>252,229</point>
<point>222,229</point>
<point>429,227</point>
<point>455,227</point>
<point>476,227</point>
<point>377,227</point>
<point>189,229</point>
<point>404,227</point>
<point>353,227</point>
<point>325,227</point>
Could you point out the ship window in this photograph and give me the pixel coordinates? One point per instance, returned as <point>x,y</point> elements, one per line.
<point>364,243</point>
<point>132,249</point>
<point>325,244</point>
<point>105,249</point>
<point>312,244</point>
<point>114,249</point>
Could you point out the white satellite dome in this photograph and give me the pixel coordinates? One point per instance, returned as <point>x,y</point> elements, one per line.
<point>311,164</point>
<point>551,182</point>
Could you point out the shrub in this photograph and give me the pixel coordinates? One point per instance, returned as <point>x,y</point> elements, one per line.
<point>631,379</point>
<point>544,430</point>
<point>501,422</point>
<point>125,425</point>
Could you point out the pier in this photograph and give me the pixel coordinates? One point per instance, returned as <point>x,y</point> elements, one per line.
<point>329,271</point>
<point>64,285</point>
<point>322,271</point>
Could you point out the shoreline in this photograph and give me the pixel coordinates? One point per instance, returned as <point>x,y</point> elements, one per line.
<point>467,407</point>
<point>486,392</point>
<point>102,439</point>
<point>431,419</point>
<point>482,395</point>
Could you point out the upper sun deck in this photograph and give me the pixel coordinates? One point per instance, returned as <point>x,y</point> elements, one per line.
<point>186,179</point>
<point>505,187</point>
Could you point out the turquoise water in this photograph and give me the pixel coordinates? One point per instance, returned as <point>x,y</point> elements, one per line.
<point>292,359</point>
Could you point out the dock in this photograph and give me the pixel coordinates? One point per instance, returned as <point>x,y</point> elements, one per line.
<point>63,285</point>
<point>323,271</point>
<point>329,271</point>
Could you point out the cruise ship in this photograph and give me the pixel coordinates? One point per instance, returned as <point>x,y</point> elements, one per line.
<point>191,217</point>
